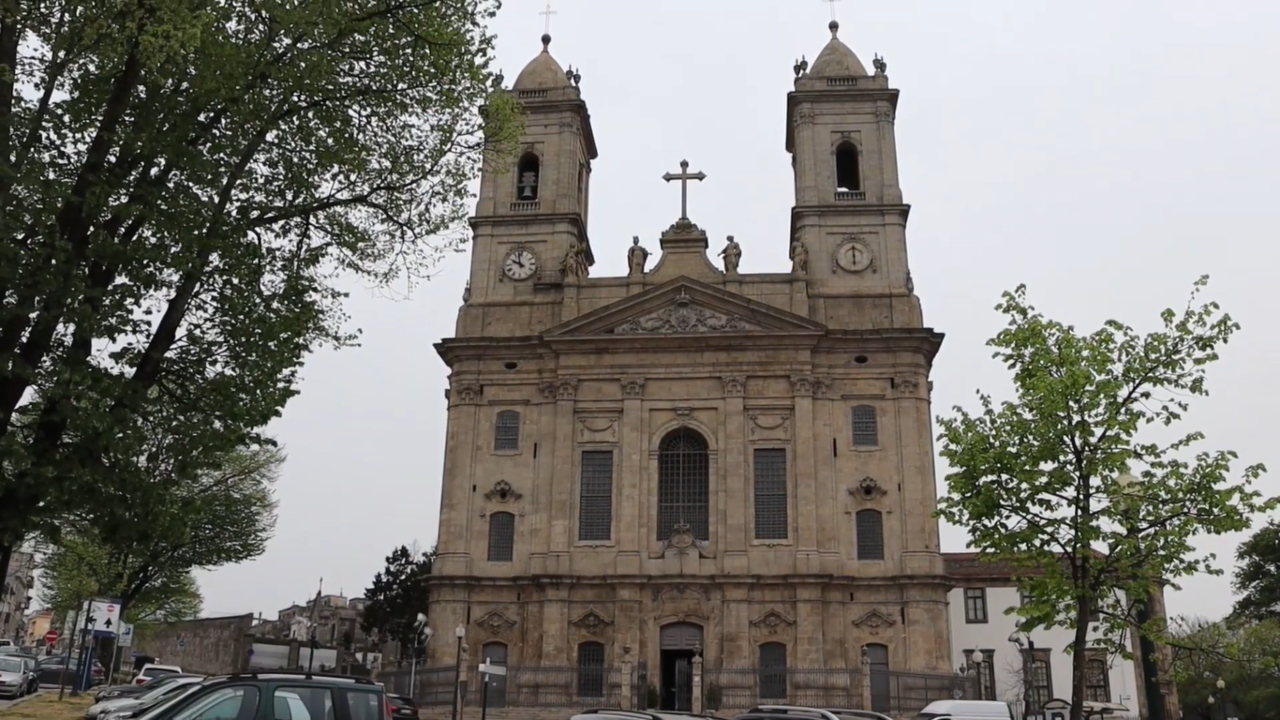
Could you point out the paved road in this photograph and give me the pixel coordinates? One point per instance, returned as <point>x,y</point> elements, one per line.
<point>5,703</point>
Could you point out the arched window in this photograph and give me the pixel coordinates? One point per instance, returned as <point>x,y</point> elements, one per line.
<point>878,667</point>
<point>865,430</point>
<point>591,670</point>
<point>773,671</point>
<point>528,176</point>
<point>506,431</point>
<point>848,179</point>
<point>683,480</point>
<point>870,534</point>
<point>502,536</point>
<point>1097,687</point>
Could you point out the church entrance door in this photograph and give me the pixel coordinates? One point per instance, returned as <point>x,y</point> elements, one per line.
<point>677,643</point>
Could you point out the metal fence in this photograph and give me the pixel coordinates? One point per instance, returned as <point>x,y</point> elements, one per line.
<point>897,693</point>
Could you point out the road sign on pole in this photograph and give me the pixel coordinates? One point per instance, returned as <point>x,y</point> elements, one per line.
<point>51,637</point>
<point>104,617</point>
<point>125,638</point>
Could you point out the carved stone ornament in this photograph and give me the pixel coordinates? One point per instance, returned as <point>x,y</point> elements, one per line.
<point>684,412</point>
<point>502,492</point>
<point>566,389</point>
<point>597,429</point>
<point>467,393</point>
<point>683,316</point>
<point>804,116</point>
<point>867,489</point>
<point>495,622</point>
<point>682,541</point>
<point>907,386</point>
<point>772,622</point>
<point>734,385</point>
<point>548,390</point>
<point>821,386</point>
<point>885,114</point>
<point>592,622</point>
<point>873,622</point>
<point>632,387</point>
<point>802,384</point>
<point>770,426</point>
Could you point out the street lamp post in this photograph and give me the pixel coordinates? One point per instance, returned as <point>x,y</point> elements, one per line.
<point>460,632</point>
<point>1028,667</point>
<point>973,668</point>
<point>1146,645</point>
<point>1216,696</point>
<point>421,636</point>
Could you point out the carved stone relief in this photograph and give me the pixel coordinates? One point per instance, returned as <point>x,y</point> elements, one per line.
<point>502,492</point>
<point>592,622</point>
<point>633,387</point>
<point>495,623</point>
<point>803,116</point>
<point>802,385</point>
<point>597,429</point>
<point>548,390</point>
<point>681,601</point>
<point>873,622</point>
<point>683,316</point>
<point>466,393</point>
<point>867,489</point>
<point>734,385</point>
<point>566,389</point>
<point>884,114</point>
<point>770,426</point>
<point>681,542</point>
<point>772,622</point>
<point>907,386</point>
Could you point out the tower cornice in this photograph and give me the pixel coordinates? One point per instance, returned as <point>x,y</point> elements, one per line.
<point>820,95</point>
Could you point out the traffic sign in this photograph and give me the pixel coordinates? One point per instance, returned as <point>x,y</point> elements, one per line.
<point>125,638</point>
<point>134,654</point>
<point>182,643</point>
<point>51,637</point>
<point>487,669</point>
<point>104,617</point>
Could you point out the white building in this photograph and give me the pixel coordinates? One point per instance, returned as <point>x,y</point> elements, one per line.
<point>979,625</point>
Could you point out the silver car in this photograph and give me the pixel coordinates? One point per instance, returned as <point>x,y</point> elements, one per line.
<point>128,704</point>
<point>15,676</point>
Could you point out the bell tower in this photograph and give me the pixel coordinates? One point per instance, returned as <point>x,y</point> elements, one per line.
<point>532,208</point>
<point>848,210</point>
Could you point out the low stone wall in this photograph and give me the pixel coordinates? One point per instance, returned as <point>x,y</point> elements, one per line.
<point>210,646</point>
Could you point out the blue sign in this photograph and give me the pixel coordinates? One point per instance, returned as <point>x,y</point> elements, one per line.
<point>182,643</point>
<point>134,654</point>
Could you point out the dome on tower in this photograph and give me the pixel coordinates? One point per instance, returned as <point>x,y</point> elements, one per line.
<point>836,59</point>
<point>543,72</point>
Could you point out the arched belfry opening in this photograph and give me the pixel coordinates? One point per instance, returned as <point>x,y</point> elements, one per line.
<point>528,177</point>
<point>848,175</point>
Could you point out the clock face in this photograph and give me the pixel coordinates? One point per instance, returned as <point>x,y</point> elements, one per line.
<point>520,264</point>
<point>853,256</point>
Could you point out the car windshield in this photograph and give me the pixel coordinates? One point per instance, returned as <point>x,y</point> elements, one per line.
<point>8,664</point>
<point>158,708</point>
<point>158,671</point>
<point>162,691</point>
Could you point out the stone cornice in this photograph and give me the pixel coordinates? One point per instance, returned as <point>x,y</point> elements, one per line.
<point>701,581</point>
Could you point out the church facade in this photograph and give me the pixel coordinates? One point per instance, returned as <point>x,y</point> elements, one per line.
<point>688,458</point>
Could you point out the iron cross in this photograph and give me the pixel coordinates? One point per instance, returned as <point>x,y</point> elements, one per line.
<point>684,176</point>
<point>833,7</point>
<point>548,13</point>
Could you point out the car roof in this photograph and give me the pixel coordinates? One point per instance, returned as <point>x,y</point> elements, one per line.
<point>295,677</point>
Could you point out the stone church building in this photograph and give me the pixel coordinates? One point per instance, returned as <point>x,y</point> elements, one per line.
<point>689,458</point>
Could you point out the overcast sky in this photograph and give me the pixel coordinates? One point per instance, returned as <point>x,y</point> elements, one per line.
<point>1104,153</point>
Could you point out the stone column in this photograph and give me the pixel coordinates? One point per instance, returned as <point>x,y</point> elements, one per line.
<point>806,501</point>
<point>888,155</point>
<point>735,473</point>
<point>630,471</point>
<point>806,170</point>
<point>697,683</point>
<point>454,551</point>
<point>625,668</point>
<point>562,480</point>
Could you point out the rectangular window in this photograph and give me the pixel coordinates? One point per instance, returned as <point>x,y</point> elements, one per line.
<point>1040,686</point>
<point>987,676</point>
<point>502,536</point>
<point>595,506</point>
<point>506,431</point>
<point>770,467</point>
<point>870,534</point>
<point>1097,685</point>
<point>865,432</point>
<point>975,605</point>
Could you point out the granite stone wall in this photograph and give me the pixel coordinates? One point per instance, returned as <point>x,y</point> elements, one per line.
<point>209,646</point>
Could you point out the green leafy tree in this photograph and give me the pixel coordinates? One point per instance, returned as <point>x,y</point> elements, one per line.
<point>1244,655</point>
<point>1038,480</point>
<point>182,186</point>
<point>1257,576</point>
<point>143,553</point>
<point>399,592</point>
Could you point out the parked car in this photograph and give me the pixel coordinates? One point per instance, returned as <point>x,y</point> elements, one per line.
<point>615,714</point>
<point>133,690</point>
<point>33,665</point>
<point>153,697</point>
<point>779,712</point>
<point>291,696</point>
<point>15,676</point>
<point>59,669</point>
<point>403,706</point>
<point>150,671</point>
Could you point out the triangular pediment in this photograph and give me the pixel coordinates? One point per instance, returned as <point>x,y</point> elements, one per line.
<point>685,306</point>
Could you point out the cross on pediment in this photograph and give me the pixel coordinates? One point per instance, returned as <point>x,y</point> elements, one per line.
<point>684,176</point>
<point>833,7</point>
<point>547,14</point>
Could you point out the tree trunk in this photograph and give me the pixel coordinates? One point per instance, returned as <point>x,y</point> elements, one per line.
<point>1078,659</point>
<point>6,554</point>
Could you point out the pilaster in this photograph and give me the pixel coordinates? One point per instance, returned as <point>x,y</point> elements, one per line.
<point>738,484</point>
<point>454,547</point>
<point>806,500</point>
<point>809,615</point>
<point>562,479</point>
<point>544,478</point>
<point>630,470</point>
<point>555,626</point>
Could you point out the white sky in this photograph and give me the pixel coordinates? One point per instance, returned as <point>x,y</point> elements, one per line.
<point>1104,153</point>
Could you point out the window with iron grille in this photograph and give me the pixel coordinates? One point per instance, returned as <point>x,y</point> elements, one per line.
<point>773,671</point>
<point>683,480</point>
<point>975,605</point>
<point>865,431</point>
<point>987,676</point>
<point>595,497</point>
<point>1097,686</point>
<point>1041,685</point>
<point>506,431</point>
<point>870,534</point>
<point>591,670</point>
<point>770,466</point>
<point>502,536</point>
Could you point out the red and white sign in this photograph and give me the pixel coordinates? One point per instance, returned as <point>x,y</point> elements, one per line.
<point>51,637</point>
